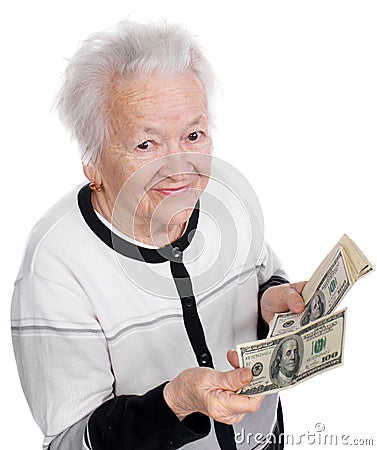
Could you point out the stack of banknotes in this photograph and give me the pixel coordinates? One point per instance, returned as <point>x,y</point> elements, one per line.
<point>300,346</point>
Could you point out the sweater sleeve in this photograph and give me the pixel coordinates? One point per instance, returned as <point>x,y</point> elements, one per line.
<point>262,326</point>
<point>66,375</point>
<point>133,422</point>
<point>142,422</point>
<point>270,273</point>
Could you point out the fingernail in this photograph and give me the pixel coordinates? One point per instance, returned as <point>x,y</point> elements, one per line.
<point>299,305</point>
<point>245,375</point>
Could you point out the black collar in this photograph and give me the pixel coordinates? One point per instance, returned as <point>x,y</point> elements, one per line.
<point>171,252</point>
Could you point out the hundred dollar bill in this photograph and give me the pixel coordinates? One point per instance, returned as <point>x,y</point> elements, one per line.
<point>341,268</point>
<point>284,361</point>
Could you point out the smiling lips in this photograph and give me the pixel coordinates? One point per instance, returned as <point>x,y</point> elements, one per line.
<point>174,191</point>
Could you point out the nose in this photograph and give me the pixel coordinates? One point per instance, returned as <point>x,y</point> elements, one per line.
<point>176,166</point>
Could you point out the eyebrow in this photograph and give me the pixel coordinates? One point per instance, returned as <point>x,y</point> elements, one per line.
<point>195,121</point>
<point>150,130</point>
<point>191,124</point>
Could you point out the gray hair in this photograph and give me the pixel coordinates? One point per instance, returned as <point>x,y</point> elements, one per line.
<point>130,48</point>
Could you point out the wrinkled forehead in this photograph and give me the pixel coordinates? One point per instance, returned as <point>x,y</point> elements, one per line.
<point>157,93</point>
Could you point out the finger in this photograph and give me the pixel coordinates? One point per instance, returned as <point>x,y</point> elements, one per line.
<point>234,379</point>
<point>298,286</point>
<point>293,300</point>
<point>241,404</point>
<point>232,358</point>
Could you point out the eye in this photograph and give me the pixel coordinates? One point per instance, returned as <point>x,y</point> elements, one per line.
<point>146,145</point>
<point>194,136</point>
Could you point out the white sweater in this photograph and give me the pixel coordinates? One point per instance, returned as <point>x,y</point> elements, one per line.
<point>90,323</point>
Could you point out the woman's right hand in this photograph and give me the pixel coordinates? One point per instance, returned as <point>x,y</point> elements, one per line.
<point>213,393</point>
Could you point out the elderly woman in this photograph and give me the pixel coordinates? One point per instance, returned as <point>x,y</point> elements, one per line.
<point>107,358</point>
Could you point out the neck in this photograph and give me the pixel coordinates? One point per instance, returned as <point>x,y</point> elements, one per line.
<point>158,235</point>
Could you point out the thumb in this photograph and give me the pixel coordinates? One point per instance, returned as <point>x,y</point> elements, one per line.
<point>232,358</point>
<point>235,379</point>
<point>298,287</point>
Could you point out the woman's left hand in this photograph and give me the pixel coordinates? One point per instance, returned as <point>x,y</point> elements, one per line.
<point>276,299</point>
<point>282,298</point>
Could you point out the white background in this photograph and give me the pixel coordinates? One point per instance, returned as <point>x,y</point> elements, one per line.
<point>297,116</point>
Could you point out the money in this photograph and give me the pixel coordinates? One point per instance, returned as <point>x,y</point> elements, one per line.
<point>342,267</point>
<point>284,361</point>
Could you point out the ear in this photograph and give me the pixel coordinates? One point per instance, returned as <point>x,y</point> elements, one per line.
<point>92,174</point>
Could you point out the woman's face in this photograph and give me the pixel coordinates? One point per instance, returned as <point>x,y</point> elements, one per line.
<point>158,152</point>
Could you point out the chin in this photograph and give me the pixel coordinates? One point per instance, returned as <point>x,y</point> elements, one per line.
<point>175,210</point>
<point>181,217</point>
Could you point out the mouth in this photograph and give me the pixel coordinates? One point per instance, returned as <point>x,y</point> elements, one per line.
<point>174,191</point>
